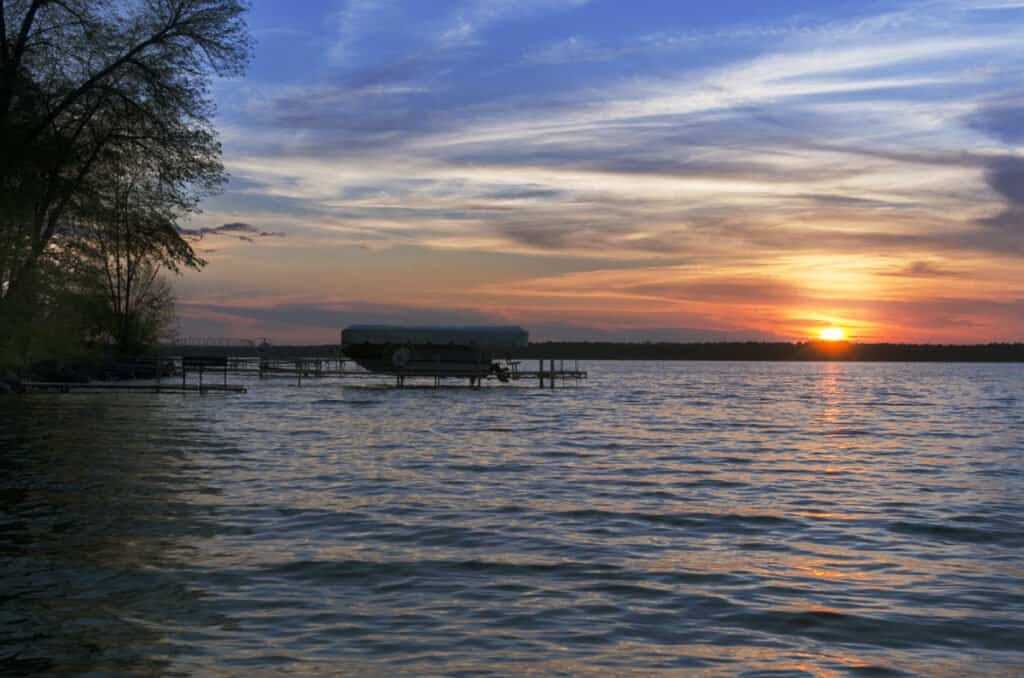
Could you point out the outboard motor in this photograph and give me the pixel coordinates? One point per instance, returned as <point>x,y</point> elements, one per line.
<point>502,373</point>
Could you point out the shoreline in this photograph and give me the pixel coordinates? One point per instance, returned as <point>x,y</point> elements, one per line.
<point>813,351</point>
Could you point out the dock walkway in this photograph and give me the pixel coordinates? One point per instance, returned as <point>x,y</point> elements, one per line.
<point>548,372</point>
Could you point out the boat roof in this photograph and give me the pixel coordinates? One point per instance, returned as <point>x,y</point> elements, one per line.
<point>499,336</point>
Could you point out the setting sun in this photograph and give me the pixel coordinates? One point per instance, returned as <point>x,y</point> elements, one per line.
<point>832,334</point>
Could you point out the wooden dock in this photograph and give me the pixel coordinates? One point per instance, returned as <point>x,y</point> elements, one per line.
<point>547,375</point>
<point>186,375</point>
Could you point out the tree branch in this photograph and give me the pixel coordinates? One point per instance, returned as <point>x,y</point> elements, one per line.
<point>4,55</point>
<point>23,33</point>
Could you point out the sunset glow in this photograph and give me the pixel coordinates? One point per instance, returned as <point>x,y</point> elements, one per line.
<point>832,334</point>
<point>592,171</point>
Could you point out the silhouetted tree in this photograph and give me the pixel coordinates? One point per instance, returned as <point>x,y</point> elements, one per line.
<point>124,236</point>
<point>88,84</point>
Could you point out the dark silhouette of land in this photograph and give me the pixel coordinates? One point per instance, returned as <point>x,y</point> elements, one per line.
<point>776,351</point>
<point>768,351</point>
<point>811,351</point>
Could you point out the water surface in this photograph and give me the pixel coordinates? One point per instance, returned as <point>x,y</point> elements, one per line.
<point>714,517</point>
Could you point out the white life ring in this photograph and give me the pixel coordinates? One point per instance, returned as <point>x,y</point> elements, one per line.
<point>400,358</point>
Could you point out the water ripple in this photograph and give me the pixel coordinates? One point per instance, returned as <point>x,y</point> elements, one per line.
<point>754,519</point>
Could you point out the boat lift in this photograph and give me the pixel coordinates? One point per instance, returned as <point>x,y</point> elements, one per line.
<point>476,353</point>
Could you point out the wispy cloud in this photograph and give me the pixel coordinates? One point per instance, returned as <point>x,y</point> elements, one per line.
<point>1002,119</point>
<point>581,49</point>
<point>351,21</point>
<point>236,229</point>
<point>474,17</point>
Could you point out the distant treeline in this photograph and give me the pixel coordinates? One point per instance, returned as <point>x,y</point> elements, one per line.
<point>814,350</point>
<point>604,350</point>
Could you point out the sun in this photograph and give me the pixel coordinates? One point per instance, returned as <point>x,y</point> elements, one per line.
<point>832,334</point>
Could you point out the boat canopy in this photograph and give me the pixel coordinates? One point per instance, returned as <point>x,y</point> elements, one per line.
<point>479,336</point>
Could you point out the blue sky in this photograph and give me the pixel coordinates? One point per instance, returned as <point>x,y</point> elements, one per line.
<point>624,170</point>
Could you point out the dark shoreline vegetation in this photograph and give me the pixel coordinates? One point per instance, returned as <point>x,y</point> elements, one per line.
<point>777,351</point>
<point>107,145</point>
<point>752,351</point>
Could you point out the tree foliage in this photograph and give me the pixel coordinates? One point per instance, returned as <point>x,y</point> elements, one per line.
<point>93,92</point>
<point>122,239</point>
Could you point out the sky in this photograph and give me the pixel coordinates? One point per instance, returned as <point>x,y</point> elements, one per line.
<point>605,170</point>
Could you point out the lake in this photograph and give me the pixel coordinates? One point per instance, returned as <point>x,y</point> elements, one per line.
<point>713,517</point>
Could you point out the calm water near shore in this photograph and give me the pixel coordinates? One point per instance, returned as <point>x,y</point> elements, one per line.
<point>716,517</point>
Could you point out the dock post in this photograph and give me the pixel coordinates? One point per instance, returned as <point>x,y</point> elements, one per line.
<point>552,375</point>
<point>540,372</point>
<point>183,373</point>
